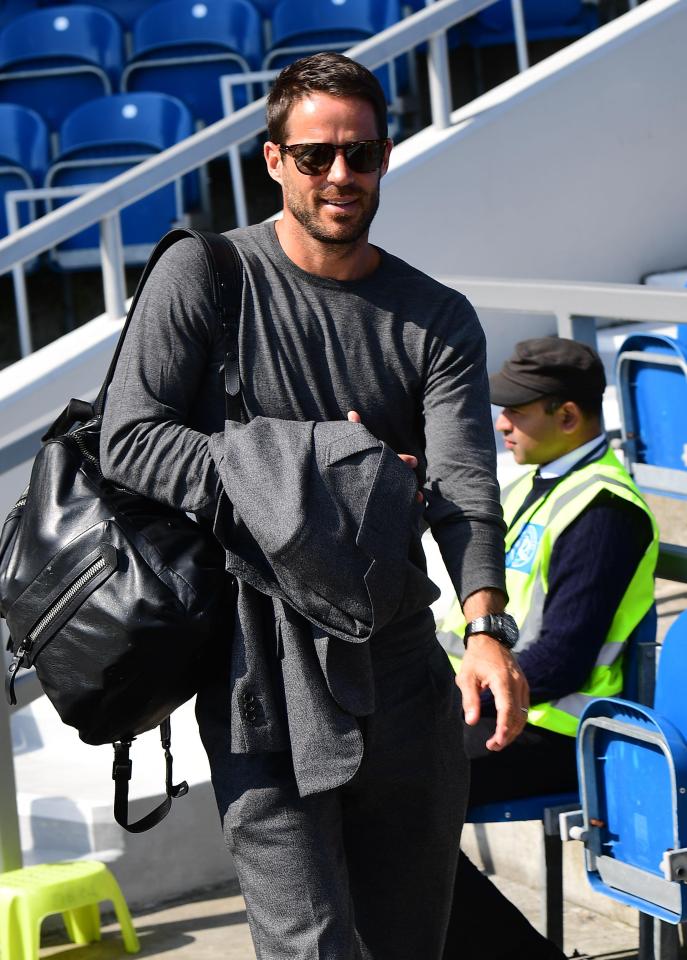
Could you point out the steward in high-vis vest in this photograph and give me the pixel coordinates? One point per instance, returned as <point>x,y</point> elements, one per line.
<point>530,540</point>
<point>581,549</point>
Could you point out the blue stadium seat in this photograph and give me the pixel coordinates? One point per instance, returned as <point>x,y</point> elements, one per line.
<point>104,138</point>
<point>126,11</point>
<point>24,155</point>
<point>182,47</point>
<point>298,30</point>
<point>54,59</point>
<point>544,20</point>
<point>633,774</point>
<point>638,677</point>
<point>651,374</point>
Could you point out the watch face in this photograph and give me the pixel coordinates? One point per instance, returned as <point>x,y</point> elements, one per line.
<point>508,629</point>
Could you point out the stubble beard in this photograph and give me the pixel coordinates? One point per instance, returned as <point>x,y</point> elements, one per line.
<point>344,234</point>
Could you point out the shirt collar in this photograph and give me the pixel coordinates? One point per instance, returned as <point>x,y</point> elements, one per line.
<point>564,464</point>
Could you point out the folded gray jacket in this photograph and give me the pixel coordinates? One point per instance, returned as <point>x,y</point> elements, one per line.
<point>323,514</point>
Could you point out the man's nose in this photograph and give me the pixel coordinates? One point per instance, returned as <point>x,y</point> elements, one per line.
<point>340,172</point>
<point>503,424</point>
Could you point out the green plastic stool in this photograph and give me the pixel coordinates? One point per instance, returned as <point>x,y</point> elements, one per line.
<point>74,889</point>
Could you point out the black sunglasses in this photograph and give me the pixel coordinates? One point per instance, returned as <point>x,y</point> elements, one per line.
<point>362,156</point>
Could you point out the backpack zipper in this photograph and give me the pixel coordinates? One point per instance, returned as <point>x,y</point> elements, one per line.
<point>48,617</point>
<point>56,609</point>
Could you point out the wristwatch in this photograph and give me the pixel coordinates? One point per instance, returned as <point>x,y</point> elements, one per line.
<point>500,626</point>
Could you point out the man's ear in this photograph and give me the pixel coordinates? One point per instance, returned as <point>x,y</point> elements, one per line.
<point>385,161</point>
<point>273,160</point>
<point>569,416</point>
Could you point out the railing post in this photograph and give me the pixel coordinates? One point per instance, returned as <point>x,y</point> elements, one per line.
<point>21,300</point>
<point>439,79</point>
<point>112,259</point>
<point>10,842</point>
<point>235,168</point>
<point>520,35</point>
<point>577,328</point>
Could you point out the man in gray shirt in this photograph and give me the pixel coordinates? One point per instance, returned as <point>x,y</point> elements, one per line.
<point>356,865</point>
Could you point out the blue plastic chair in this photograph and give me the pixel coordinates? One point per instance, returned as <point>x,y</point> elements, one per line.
<point>651,374</point>
<point>638,674</point>
<point>299,29</point>
<point>55,59</point>
<point>632,764</point>
<point>24,156</point>
<point>183,47</point>
<point>104,138</point>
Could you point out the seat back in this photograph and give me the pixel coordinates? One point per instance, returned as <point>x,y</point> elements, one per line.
<point>24,140</point>
<point>124,121</point>
<point>670,700</point>
<point>125,11</point>
<point>104,138</point>
<point>63,35</point>
<point>329,21</point>
<point>183,47</point>
<point>651,373</point>
<point>54,59</point>
<point>24,156</point>
<point>298,30</point>
<point>181,28</point>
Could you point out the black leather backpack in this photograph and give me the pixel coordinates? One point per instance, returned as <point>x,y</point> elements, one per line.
<point>119,602</point>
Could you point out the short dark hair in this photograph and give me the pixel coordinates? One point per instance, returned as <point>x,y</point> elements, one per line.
<point>590,407</point>
<point>328,72</point>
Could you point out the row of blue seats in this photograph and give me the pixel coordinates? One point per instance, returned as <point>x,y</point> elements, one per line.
<point>54,58</point>
<point>98,140</point>
<point>126,11</point>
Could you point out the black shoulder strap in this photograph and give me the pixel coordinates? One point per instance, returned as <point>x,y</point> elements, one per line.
<point>226,278</point>
<point>226,273</point>
<point>80,411</point>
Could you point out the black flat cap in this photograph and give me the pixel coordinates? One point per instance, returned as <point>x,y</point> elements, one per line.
<point>546,367</point>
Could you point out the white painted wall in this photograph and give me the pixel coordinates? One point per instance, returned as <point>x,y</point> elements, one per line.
<point>576,169</point>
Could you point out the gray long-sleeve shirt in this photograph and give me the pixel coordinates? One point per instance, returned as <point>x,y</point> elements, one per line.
<point>403,350</point>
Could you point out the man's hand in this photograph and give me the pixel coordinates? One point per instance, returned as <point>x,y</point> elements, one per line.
<point>487,663</point>
<point>407,458</point>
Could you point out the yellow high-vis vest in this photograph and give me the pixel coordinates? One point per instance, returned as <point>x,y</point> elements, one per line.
<point>529,544</point>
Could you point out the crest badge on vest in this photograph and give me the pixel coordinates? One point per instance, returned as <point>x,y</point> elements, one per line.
<point>521,555</point>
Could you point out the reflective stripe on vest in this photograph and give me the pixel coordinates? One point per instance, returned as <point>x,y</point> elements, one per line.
<point>529,545</point>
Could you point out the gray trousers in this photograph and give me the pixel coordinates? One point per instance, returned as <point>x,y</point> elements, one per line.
<point>364,871</point>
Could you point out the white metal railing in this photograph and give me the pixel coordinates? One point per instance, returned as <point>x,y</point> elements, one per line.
<point>576,305</point>
<point>106,200</point>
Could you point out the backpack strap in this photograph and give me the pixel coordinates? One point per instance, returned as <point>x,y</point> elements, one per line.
<point>121,774</point>
<point>226,278</point>
<point>225,271</point>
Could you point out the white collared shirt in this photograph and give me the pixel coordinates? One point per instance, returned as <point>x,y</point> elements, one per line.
<point>564,464</point>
